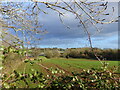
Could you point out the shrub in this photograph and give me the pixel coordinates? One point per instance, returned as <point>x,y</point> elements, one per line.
<point>56,53</point>
<point>48,54</point>
<point>98,79</point>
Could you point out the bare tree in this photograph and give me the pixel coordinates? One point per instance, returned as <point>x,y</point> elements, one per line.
<point>21,21</point>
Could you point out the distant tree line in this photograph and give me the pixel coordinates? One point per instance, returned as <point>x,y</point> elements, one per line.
<point>103,54</point>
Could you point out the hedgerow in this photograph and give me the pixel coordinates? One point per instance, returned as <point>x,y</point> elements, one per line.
<point>99,79</point>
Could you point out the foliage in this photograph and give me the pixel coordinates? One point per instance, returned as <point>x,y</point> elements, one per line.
<point>52,53</point>
<point>87,79</point>
<point>103,54</point>
<point>49,54</point>
<point>34,52</point>
<point>56,53</point>
<point>101,78</point>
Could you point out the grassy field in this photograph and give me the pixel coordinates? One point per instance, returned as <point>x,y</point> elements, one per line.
<point>67,65</point>
<point>79,63</point>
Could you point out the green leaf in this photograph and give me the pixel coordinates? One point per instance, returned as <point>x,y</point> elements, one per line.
<point>1,49</point>
<point>26,60</point>
<point>6,85</point>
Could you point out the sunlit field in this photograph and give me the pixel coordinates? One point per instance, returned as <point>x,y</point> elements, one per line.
<point>69,65</point>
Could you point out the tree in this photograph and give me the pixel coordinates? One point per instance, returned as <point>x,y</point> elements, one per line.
<point>21,21</point>
<point>49,53</point>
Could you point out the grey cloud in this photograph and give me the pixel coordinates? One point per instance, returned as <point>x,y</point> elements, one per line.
<point>53,25</point>
<point>58,34</point>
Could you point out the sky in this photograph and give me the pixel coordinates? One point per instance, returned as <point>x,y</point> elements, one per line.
<point>61,37</point>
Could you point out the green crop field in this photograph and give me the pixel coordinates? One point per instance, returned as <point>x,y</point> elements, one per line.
<point>80,63</point>
<point>63,63</point>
